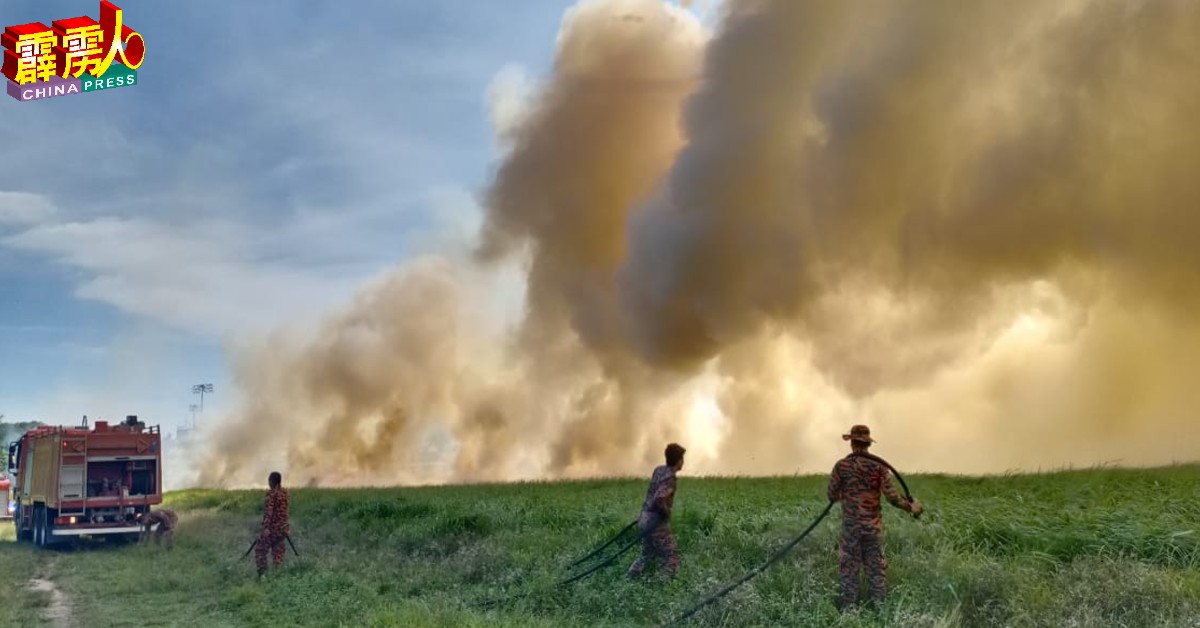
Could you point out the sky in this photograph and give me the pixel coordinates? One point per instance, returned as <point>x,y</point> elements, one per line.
<point>273,157</point>
<point>692,230</point>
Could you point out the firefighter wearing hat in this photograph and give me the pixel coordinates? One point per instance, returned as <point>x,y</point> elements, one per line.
<point>857,482</point>
<point>658,543</point>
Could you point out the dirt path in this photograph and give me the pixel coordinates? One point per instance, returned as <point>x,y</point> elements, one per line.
<point>58,613</point>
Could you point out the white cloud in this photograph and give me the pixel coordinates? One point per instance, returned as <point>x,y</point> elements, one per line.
<point>215,276</point>
<point>24,208</point>
<point>203,277</point>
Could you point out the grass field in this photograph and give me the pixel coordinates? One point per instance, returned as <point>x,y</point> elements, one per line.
<point>1102,547</point>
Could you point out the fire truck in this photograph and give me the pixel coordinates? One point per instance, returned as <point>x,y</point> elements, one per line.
<point>79,481</point>
<point>7,505</point>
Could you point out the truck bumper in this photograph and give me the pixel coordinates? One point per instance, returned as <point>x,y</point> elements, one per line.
<point>87,531</point>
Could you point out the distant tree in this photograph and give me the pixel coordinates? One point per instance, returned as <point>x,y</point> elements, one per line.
<point>13,431</point>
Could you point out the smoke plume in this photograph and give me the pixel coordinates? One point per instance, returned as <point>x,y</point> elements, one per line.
<point>969,225</point>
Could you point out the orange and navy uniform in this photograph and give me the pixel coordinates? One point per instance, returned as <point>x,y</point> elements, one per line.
<point>658,542</point>
<point>165,520</point>
<point>275,528</point>
<point>858,482</point>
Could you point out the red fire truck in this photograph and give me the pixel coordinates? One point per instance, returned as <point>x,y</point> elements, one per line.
<point>75,481</point>
<point>7,505</point>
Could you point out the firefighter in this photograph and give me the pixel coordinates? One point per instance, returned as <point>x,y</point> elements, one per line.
<point>857,482</point>
<point>165,520</point>
<point>275,528</point>
<point>658,543</point>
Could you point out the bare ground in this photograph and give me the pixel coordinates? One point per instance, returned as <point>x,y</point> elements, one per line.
<point>58,613</point>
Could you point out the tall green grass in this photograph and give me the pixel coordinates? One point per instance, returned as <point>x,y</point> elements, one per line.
<point>19,606</point>
<point>1103,547</point>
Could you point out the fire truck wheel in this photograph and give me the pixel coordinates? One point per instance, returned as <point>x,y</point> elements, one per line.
<point>42,527</point>
<point>19,520</point>
<point>39,532</point>
<point>47,527</point>
<point>28,534</point>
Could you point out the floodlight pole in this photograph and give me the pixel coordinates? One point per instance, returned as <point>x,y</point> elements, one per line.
<point>200,389</point>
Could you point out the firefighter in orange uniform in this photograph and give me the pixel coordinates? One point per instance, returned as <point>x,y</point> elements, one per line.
<point>857,482</point>
<point>275,528</point>
<point>165,520</point>
<point>658,543</point>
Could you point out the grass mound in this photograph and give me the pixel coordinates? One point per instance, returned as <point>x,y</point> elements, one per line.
<point>1082,548</point>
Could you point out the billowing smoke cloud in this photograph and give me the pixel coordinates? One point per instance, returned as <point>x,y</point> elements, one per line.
<point>972,226</point>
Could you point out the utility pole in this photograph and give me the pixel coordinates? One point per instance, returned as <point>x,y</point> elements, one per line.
<point>193,408</point>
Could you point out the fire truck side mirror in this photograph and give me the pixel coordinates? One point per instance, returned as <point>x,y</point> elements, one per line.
<point>12,457</point>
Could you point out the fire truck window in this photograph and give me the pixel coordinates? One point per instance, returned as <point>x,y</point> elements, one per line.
<point>143,481</point>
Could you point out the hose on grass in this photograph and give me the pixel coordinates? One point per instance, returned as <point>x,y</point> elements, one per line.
<point>610,541</point>
<point>753,572</point>
<point>579,576</point>
<point>255,544</point>
<point>610,560</point>
<point>787,548</point>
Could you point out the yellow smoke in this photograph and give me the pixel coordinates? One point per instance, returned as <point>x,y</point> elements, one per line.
<point>971,226</point>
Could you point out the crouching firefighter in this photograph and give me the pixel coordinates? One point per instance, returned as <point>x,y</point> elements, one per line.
<point>857,481</point>
<point>658,543</point>
<point>275,527</point>
<point>165,520</point>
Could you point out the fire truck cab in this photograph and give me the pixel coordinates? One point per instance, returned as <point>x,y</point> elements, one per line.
<point>75,481</point>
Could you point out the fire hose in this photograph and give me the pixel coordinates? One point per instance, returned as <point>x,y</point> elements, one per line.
<point>899,478</point>
<point>787,548</point>
<point>583,574</point>
<point>610,541</point>
<point>255,543</point>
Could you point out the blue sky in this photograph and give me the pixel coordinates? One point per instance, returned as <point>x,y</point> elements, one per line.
<point>273,157</point>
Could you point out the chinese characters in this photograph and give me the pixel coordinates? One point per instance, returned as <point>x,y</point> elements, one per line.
<point>71,47</point>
